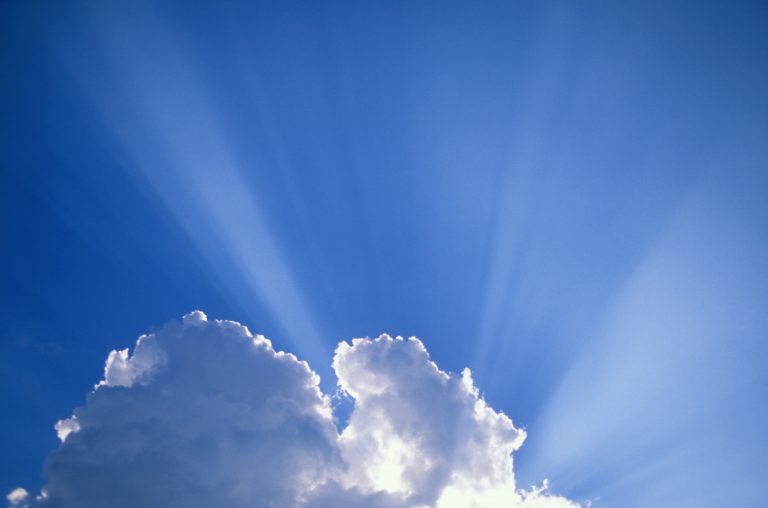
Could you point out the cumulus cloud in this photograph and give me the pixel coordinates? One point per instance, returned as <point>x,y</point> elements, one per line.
<point>204,413</point>
<point>17,496</point>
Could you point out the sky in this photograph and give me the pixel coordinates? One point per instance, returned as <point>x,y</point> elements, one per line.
<point>568,199</point>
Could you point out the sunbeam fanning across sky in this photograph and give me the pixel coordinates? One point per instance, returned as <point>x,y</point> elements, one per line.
<point>172,143</point>
<point>566,204</point>
<point>678,365</point>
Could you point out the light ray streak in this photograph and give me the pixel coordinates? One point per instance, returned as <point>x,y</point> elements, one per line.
<point>520,194</point>
<point>154,105</point>
<point>675,364</point>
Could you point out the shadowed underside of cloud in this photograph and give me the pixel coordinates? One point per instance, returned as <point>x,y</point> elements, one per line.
<point>203,413</point>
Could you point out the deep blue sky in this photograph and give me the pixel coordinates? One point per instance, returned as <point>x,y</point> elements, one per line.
<point>568,198</point>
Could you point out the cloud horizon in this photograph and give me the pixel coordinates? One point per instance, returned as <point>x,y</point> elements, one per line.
<point>205,413</point>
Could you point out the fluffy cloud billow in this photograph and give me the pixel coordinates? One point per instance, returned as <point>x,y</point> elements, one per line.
<point>204,413</point>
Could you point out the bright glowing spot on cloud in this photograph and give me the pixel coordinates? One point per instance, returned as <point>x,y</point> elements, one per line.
<point>203,413</point>
<point>66,427</point>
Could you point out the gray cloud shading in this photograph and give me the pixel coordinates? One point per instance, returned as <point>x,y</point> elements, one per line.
<point>204,413</point>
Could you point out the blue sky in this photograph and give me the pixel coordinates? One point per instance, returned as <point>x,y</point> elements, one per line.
<point>568,199</point>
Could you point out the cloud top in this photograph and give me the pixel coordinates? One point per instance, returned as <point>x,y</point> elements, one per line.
<point>204,413</point>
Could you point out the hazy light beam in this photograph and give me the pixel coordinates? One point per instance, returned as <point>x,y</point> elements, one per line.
<point>154,105</point>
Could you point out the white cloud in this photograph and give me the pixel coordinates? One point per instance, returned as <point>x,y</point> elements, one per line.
<point>203,413</point>
<point>66,427</point>
<point>17,496</point>
<point>425,435</point>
